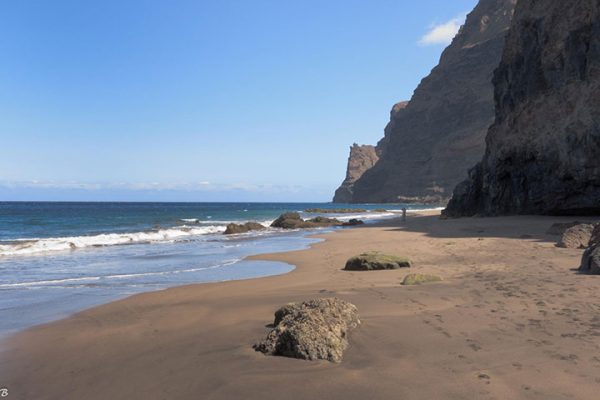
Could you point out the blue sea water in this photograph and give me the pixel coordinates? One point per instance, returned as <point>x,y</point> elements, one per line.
<point>58,258</point>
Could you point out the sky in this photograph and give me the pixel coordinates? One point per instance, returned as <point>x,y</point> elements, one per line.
<point>203,100</point>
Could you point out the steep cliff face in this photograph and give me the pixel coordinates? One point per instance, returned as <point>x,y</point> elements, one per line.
<point>543,151</point>
<point>361,159</point>
<point>430,144</point>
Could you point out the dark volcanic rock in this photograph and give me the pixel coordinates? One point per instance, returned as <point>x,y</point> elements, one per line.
<point>595,238</point>
<point>432,141</point>
<point>543,151</point>
<point>293,220</point>
<point>375,261</point>
<point>312,330</point>
<point>290,220</point>
<point>243,228</point>
<point>361,158</point>
<point>590,261</point>
<point>576,237</point>
<point>353,222</point>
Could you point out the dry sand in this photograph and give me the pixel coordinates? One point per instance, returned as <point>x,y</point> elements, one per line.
<point>511,320</point>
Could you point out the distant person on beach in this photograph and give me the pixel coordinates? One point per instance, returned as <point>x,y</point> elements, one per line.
<point>403,213</point>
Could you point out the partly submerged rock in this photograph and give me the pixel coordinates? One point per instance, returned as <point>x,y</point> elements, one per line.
<point>417,279</point>
<point>312,330</point>
<point>243,228</point>
<point>576,237</point>
<point>293,220</point>
<point>321,221</point>
<point>289,220</point>
<point>375,261</point>
<point>353,222</point>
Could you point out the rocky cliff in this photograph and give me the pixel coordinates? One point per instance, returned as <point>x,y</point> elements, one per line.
<point>361,159</point>
<point>543,151</point>
<point>431,142</point>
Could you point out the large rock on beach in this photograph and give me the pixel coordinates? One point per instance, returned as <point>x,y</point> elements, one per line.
<point>576,237</point>
<point>312,330</point>
<point>375,261</point>
<point>595,238</point>
<point>590,261</point>
<point>243,228</point>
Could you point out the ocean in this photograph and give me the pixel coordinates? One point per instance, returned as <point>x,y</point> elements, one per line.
<point>57,258</point>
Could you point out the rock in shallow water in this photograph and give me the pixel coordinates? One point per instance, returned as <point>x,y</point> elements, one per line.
<point>293,220</point>
<point>312,330</point>
<point>375,261</point>
<point>243,228</point>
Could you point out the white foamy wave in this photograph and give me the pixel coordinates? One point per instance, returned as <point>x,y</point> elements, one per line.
<point>378,215</point>
<point>33,246</point>
<point>415,210</point>
<point>89,279</point>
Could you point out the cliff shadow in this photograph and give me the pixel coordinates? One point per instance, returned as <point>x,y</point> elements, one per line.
<point>529,227</point>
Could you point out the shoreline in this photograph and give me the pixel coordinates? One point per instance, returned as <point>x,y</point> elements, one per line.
<point>30,302</point>
<point>482,330</point>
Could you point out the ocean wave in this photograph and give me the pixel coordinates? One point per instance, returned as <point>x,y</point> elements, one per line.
<point>414,210</point>
<point>365,216</point>
<point>33,246</point>
<point>266,223</point>
<point>67,281</point>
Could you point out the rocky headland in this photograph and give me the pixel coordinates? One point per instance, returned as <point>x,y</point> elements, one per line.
<point>431,141</point>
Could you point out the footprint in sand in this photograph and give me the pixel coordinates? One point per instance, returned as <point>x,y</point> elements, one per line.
<point>473,344</point>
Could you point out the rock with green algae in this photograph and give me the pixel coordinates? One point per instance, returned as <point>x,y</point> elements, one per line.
<point>374,260</point>
<point>417,279</point>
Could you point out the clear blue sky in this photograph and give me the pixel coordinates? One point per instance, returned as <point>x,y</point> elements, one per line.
<point>203,100</point>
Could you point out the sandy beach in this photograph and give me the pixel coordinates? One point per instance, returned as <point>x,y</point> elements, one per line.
<point>511,320</point>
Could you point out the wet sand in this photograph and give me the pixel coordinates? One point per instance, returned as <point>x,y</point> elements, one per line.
<point>511,320</point>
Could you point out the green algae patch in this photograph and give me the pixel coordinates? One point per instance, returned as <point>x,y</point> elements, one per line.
<point>417,279</point>
<point>374,260</point>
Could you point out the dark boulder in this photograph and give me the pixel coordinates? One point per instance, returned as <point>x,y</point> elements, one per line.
<point>353,222</point>
<point>293,220</point>
<point>590,261</point>
<point>243,228</point>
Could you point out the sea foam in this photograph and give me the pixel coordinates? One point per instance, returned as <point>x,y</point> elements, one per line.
<point>32,246</point>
